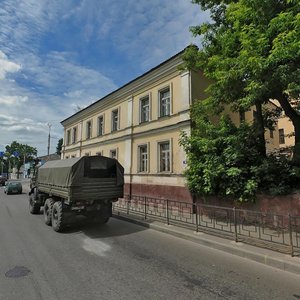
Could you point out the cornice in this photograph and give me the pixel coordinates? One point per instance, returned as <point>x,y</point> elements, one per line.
<point>163,70</point>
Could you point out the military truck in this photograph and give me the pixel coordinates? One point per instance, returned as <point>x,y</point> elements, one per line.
<point>77,186</point>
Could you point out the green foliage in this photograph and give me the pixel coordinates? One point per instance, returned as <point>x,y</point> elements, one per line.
<point>251,52</point>
<point>59,146</point>
<point>224,160</point>
<point>25,154</point>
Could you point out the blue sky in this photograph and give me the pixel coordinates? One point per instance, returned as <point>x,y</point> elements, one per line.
<point>57,55</point>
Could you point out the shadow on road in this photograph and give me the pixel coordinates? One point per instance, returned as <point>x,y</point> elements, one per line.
<point>114,227</point>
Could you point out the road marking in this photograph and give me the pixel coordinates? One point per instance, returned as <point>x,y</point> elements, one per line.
<point>97,247</point>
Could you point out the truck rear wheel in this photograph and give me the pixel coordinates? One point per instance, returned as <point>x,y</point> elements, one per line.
<point>58,217</point>
<point>48,211</point>
<point>34,207</point>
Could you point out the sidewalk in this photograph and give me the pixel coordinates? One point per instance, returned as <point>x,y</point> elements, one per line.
<point>268,257</point>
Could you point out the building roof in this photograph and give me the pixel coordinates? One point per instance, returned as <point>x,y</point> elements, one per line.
<point>125,85</point>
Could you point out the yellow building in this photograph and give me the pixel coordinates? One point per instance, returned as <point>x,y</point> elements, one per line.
<point>139,124</point>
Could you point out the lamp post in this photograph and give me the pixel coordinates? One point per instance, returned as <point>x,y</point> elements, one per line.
<point>49,125</point>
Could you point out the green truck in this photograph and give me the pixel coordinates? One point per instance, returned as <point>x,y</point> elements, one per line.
<point>77,186</point>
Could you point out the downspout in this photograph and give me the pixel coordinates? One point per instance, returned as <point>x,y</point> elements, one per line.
<point>131,150</point>
<point>80,142</point>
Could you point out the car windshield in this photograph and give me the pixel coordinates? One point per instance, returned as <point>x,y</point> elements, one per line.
<point>14,183</point>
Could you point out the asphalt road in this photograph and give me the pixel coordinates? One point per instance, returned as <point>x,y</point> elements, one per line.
<point>121,260</point>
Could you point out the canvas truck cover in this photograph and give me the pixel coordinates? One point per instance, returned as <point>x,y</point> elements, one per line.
<point>70,172</point>
<point>81,176</point>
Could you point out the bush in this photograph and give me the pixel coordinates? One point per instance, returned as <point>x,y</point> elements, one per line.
<point>224,160</point>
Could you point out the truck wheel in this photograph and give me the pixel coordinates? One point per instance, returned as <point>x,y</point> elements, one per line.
<point>34,208</point>
<point>48,211</point>
<point>103,220</point>
<point>57,217</point>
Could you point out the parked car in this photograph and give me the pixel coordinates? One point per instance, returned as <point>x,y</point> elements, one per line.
<point>13,187</point>
<point>3,179</point>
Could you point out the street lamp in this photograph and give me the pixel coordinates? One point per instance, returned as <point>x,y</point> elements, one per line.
<point>49,125</point>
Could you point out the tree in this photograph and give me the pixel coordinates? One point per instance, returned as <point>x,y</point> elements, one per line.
<point>59,146</point>
<point>18,154</point>
<point>251,52</point>
<point>224,160</point>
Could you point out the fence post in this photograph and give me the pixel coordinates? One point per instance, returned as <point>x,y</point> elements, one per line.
<point>235,225</point>
<point>196,210</point>
<point>291,235</point>
<point>145,207</point>
<point>168,222</point>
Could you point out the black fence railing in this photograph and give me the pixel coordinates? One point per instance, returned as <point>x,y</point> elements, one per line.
<point>278,232</point>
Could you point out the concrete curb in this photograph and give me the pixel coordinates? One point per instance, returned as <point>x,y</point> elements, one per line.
<point>264,256</point>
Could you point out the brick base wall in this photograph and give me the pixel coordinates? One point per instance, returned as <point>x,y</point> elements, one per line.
<point>281,205</point>
<point>177,193</point>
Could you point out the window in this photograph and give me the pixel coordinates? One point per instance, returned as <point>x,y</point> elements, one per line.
<point>68,137</point>
<point>254,115</point>
<point>242,116</point>
<point>143,158</point>
<point>164,157</point>
<point>281,136</point>
<point>271,133</point>
<point>88,129</point>
<point>113,153</point>
<point>87,154</point>
<point>114,120</point>
<point>100,125</point>
<point>73,156</point>
<point>74,135</point>
<point>164,102</point>
<point>144,109</point>
<point>99,153</point>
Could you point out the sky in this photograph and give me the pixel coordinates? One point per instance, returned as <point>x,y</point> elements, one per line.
<point>58,55</point>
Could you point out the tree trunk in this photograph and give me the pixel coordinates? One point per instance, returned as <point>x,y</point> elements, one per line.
<point>259,122</point>
<point>296,150</point>
<point>295,118</point>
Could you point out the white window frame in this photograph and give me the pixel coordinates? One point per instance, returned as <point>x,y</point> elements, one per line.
<point>160,92</point>
<point>113,150</point>
<point>117,122</point>
<point>141,108</point>
<point>89,136</point>
<point>74,136</point>
<point>170,168</point>
<point>142,164</point>
<point>98,125</point>
<point>68,137</point>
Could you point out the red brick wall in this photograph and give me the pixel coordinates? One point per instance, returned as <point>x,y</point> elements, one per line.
<point>176,193</point>
<point>282,205</point>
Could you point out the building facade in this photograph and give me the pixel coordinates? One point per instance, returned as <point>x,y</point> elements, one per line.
<point>139,124</point>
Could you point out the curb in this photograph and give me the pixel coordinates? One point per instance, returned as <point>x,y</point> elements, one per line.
<point>264,256</point>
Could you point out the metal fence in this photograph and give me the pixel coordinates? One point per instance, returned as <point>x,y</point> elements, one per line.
<point>278,232</point>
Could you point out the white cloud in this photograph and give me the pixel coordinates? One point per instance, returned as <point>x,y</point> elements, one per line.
<point>7,66</point>
<point>13,100</point>
<point>43,73</point>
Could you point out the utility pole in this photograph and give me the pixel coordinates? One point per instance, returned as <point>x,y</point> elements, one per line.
<point>49,125</point>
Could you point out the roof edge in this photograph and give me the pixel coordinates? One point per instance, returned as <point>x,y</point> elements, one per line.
<point>126,84</point>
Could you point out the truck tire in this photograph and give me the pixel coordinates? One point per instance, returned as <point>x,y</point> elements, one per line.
<point>58,217</point>
<point>103,220</point>
<point>48,211</point>
<point>34,208</point>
